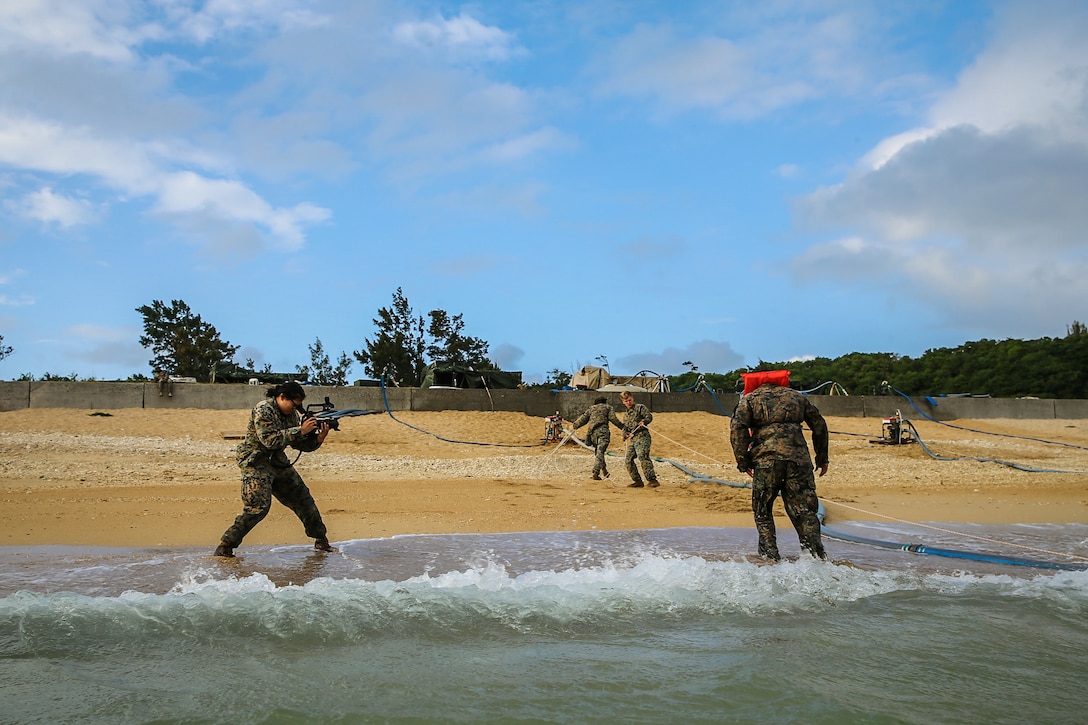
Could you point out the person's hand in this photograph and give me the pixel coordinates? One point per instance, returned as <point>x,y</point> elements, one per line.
<point>823,469</point>
<point>309,425</point>
<point>322,431</point>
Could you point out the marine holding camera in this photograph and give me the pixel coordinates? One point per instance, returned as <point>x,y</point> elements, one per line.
<point>275,424</point>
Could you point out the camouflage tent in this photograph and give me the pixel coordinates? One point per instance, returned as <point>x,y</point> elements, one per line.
<point>590,378</point>
<point>653,382</point>
<point>460,376</point>
<point>594,378</point>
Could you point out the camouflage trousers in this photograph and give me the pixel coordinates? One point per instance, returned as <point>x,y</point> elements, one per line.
<point>639,447</point>
<point>797,485</point>
<point>259,485</point>
<point>600,450</point>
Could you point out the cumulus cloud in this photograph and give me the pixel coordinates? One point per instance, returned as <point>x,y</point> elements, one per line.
<point>980,213</point>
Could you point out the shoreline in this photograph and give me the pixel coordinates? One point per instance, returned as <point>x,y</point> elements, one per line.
<point>137,478</point>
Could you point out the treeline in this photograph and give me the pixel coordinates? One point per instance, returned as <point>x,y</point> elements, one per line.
<point>1043,368</point>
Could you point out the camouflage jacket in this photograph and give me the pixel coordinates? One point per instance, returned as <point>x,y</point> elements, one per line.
<point>598,416</point>
<point>269,433</point>
<point>637,413</point>
<point>766,427</point>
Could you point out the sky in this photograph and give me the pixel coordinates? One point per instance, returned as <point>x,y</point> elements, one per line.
<point>642,184</point>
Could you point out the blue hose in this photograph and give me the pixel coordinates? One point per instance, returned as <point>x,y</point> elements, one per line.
<point>984,432</point>
<point>948,553</point>
<point>912,548</point>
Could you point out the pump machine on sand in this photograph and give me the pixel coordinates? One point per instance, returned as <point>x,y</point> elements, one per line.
<point>893,431</point>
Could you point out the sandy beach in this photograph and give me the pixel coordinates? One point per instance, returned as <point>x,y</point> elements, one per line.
<point>139,477</point>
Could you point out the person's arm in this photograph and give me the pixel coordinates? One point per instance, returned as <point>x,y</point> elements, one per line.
<point>820,436</point>
<point>740,438</point>
<point>269,428</point>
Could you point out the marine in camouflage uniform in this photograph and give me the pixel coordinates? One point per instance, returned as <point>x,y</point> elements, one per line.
<point>635,420</point>
<point>267,472</point>
<point>599,435</point>
<point>769,445</point>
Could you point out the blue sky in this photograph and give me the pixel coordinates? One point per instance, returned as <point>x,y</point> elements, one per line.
<point>651,182</point>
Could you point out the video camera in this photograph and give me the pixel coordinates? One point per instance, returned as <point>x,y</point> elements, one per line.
<point>327,413</point>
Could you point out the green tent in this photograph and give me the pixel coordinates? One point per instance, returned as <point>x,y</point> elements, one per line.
<point>461,376</point>
<point>234,373</point>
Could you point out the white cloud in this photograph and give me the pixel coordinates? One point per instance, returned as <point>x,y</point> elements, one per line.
<point>681,72</point>
<point>145,170</point>
<point>526,145</point>
<point>1034,73</point>
<point>216,17</point>
<point>429,124</point>
<point>460,38</point>
<point>98,29</point>
<point>48,207</point>
<point>981,213</point>
<point>788,171</point>
<point>742,67</point>
<point>135,137</point>
<point>112,31</point>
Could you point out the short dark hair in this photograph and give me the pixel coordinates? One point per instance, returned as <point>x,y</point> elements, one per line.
<point>291,389</point>
<point>600,399</point>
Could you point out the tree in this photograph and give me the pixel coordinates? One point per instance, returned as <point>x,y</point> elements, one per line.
<point>448,345</point>
<point>404,346</point>
<point>399,346</point>
<point>558,378</point>
<point>182,342</point>
<point>321,371</point>
<point>5,350</point>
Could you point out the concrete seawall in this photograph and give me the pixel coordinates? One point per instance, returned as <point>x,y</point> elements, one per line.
<point>20,395</point>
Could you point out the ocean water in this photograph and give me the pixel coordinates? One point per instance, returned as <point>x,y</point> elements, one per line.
<point>650,626</point>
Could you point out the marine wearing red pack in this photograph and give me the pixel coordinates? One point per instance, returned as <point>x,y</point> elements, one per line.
<point>769,445</point>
